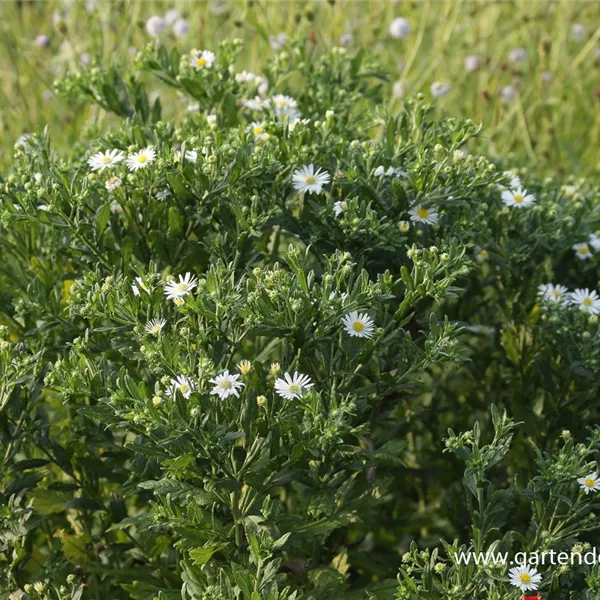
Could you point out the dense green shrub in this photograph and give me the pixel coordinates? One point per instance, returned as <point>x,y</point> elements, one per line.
<point>155,298</point>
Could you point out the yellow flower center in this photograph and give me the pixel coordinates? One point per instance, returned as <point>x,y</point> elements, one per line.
<point>525,578</point>
<point>280,103</point>
<point>422,213</point>
<point>182,287</point>
<point>556,293</point>
<point>587,301</point>
<point>518,198</point>
<point>244,369</point>
<point>589,482</point>
<point>257,130</point>
<point>404,227</point>
<point>142,159</point>
<point>226,385</point>
<point>310,179</point>
<point>583,250</point>
<point>106,159</point>
<point>295,388</point>
<point>358,326</point>
<point>200,61</point>
<point>184,388</point>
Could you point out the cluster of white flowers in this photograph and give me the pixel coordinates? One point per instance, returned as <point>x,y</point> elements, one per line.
<point>156,24</point>
<point>226,384</point>
<point>582,298</point>
<point>284,107</point>
<point>108,159</point>
<point>257,81</point>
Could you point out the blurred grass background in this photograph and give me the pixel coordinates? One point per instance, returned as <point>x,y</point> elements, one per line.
<point>543,111</point>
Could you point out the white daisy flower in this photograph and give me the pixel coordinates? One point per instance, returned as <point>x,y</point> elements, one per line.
<point>202,59</point>
<point>226,384</point>
<point>183,287</point>
<point>105,160</point>
<point>155,326</point>
<point>292,387</point>
<point>518,198</point>
<point>552,293</point>
<point>439,89</point>
<point>359,325</point>
<point>420,214</point>
<point>582,250</point>
<point>245,366</point>
<point>155,26</point>
<point>399,28</point>
<point>525,578</point>
<point>594,241</point>
<point>339,207</point>
<point>113,183</point>
<point>587,301</point>
<point>306,179</point>
<point>589,483</point>
<point>482,256</point>
<point>184,385</point>
<point>140,160</point>
<point>404,226</point>
<point>258,129</point>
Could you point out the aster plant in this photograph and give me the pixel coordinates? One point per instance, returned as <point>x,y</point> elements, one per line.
<point>232,345</point>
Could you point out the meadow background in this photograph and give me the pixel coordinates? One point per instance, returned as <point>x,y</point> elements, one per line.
<point>540,108</point>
